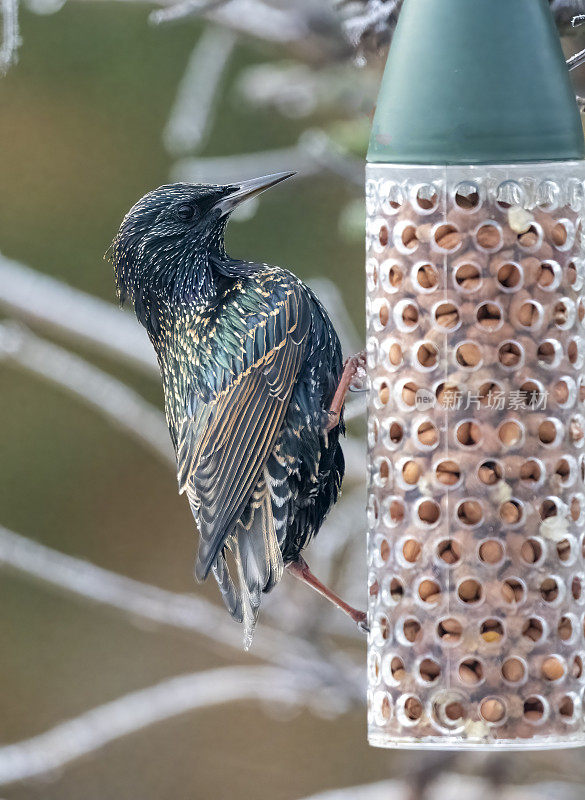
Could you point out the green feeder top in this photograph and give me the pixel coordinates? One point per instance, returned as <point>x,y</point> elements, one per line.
<point>476,82</point>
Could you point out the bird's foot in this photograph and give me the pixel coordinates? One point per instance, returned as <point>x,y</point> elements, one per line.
<point>359,364</point>
<point>361,620</point>
<point>354,373</point>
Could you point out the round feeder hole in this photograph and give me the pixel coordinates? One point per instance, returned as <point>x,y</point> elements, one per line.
<point>490,472</point>
<point>429,670</point>
<point>491,631</point>
<point>493,710</point>
<point>513,590</point>
<point>411,551</point>
<point>449,551</point>
<point>471,671</point>
<point>491,551</point>
<point>533,629</point>
<point>470,591</point>
<point>467,278</point>
<point>449,630</point>
<point>513,670</point>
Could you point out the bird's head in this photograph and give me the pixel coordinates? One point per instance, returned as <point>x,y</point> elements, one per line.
<point>172,239</point>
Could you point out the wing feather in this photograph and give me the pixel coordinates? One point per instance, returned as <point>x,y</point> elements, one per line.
<point>223,448</point>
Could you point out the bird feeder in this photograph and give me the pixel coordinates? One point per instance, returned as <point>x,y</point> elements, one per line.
<point>476,412</point>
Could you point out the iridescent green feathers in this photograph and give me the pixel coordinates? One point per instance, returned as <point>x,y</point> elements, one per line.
<point>250,362</point>
<point>224,441</point>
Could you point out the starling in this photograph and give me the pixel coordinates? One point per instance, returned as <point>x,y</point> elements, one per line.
<point>254,388</point>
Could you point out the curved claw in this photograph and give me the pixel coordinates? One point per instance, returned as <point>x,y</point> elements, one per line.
<point>358,365</point>
<point>361,620</point>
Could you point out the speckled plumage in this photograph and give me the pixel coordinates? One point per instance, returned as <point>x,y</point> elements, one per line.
<point>250,362</point>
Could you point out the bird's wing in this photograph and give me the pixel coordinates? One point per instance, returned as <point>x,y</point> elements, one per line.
<point>221,452</point>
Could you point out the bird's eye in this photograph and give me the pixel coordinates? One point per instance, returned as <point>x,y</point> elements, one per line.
<point>185,212</point>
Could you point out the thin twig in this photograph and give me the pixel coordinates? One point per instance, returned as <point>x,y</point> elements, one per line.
<point>330,157</point>
<point>137,710</point>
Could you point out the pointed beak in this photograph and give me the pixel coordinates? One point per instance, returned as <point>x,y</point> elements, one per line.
<point>247,189</point>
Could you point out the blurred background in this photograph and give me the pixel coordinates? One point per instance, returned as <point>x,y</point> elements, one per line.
<point>119,677</point>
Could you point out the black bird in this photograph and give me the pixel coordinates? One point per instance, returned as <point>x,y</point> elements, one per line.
<point>254,388</point>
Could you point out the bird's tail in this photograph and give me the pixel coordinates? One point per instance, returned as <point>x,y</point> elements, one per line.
<point>231,596</point>
<point>258,560</point>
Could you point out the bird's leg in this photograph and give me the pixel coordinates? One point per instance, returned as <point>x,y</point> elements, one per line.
<point>350,370</point>
<point>300,569</point>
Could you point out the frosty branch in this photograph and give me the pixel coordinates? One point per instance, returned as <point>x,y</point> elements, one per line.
<point>137,710</point>
<point>10,34</point>
<point>181,611</point>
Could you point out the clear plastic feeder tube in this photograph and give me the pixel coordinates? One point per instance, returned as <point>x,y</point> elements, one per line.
<point>476,437</point>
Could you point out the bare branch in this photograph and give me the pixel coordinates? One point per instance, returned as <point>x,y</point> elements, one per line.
<point>330,157</point>
<point>383,790</point>
<point>369,24</point>
<point>197,94</point>
<point>190,8</point>
<point>10,34</point>
<point>255,18</point>
<point>118,403</point>
<point>227,169</point>
<point>449,785</point>
<point>376,17</point>
<point>251,17</point>
<point>314,153</point>
<point>49,302</point>
<point>138,710</point>
<point>109,396</point>
<point>181,611</point>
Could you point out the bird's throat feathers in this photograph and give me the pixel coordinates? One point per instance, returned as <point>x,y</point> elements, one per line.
<point>153,272</point>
